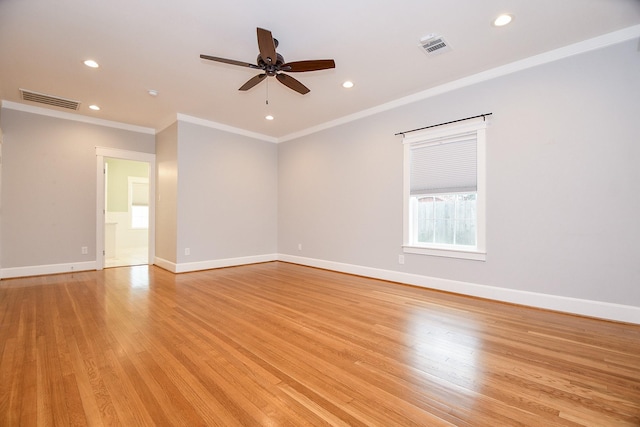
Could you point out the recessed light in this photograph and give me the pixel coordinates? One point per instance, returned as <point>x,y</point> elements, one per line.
<point>269,117</point>
<point>348,84</point>
<point>91,63</point>
<point>502,20</point>
<point>153,92</point>
<point>94,107</point>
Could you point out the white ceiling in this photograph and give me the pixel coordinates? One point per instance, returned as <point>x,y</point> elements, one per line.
<point>155,44</point>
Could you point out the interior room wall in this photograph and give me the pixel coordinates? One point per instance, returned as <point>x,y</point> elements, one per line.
<point>49,186</point>
<point>167,193</point>
<point>1,138</point>
<point>562,197</point>
<point>562,154</point>
<point>227,195</point>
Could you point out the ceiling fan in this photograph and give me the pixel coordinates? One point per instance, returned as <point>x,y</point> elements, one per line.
<point>272,63</point>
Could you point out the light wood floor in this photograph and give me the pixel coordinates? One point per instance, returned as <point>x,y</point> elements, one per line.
<point>279,344</point>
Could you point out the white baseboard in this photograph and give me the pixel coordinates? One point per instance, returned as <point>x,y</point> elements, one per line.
<point>590,308</point>
<point>211,264</point>
<point>39,270</point>
<point>163,263</point>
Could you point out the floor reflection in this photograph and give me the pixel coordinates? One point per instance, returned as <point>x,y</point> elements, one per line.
<point>139,276</point>
<point>441,347</point>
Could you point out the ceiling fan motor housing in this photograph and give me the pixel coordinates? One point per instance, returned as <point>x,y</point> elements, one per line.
<point>270,69</point>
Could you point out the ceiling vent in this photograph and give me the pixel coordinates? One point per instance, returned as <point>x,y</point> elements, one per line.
<point>433,44</point>
<point>54,101</point>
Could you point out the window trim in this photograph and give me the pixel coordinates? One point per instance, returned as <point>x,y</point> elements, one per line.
<point>434,136</point>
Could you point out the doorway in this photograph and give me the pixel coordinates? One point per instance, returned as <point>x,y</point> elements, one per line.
<point>125,208</point>
<point>126,226</point>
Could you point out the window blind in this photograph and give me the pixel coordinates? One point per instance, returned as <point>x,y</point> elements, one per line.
<point>139,194</point>
<point>444,166</point>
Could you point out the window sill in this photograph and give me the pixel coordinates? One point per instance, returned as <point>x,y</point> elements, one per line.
<point>445,252</point>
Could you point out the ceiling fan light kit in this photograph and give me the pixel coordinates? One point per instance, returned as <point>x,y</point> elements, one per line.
<point>273,64</point>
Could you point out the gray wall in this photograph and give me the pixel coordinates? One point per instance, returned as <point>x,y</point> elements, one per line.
<point>216,192</point>
<point>562,185</point>
<point>49,186</point>
<point>227,195</point>
<point>562,156</point>
<point>167,193</point>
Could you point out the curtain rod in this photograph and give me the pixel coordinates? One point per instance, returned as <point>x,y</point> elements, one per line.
<point>484,116</point>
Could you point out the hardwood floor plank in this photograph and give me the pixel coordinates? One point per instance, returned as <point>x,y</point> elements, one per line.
<point>282,344</point>
<point>85,389</point>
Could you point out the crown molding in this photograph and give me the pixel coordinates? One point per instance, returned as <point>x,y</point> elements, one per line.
<point>594,43</point>
<point>75,117</point>
<point>226,128</point>
<point>513,67</point>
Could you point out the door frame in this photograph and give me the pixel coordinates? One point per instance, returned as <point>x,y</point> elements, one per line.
<point>115,153</point>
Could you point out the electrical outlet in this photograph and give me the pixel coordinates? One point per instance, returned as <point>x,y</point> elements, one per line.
<point>400,259</point>
<point>84,250</point>
<point>187,251</point>
<point>299,246</point>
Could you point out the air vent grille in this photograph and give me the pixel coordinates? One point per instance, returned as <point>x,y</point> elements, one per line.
<point>55,101</point>
<point>433,44</point>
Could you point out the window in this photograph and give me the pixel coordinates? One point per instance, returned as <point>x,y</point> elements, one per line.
<point>139,202</point>
<point>444,190</point>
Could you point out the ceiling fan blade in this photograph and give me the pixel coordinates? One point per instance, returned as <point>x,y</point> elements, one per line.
<point>313,65</point>
<point>292,83</point>
<point>228,61</point>
<point>267,46</point>
<point>252,82</point>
